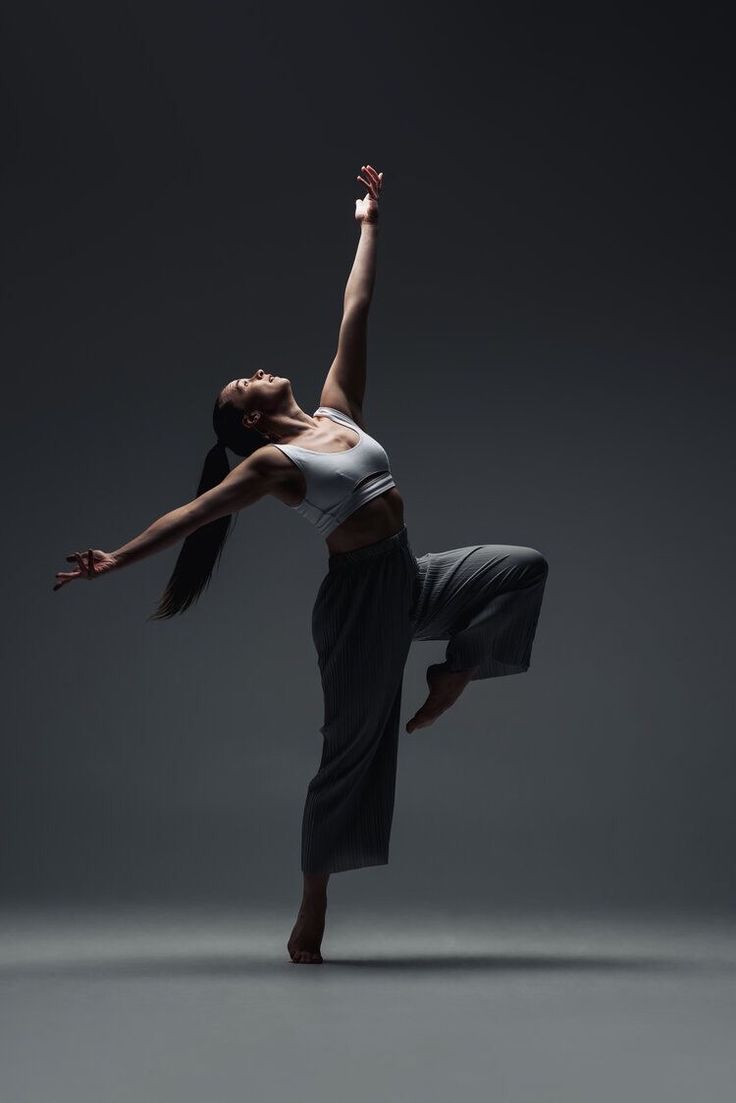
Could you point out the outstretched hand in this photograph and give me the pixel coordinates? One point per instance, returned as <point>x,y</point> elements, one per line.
<point>90,565</point>
<point>366,209</point>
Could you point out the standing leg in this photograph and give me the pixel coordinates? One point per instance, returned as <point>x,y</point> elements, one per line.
<point>349,805</point>
<point>362,631</point>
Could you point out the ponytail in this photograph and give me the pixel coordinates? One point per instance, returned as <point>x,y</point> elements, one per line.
<point>202,549</point>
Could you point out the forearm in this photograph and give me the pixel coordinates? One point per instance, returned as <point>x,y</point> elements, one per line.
<point>166,530</point>
<point>359,287</point>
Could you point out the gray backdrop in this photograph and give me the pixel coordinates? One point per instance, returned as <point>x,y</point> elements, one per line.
<point>550,364</point>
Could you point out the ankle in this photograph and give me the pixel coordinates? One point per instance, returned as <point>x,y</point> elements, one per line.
<point>467,673</point>
<point>313,904</point>
<point>315,888</point>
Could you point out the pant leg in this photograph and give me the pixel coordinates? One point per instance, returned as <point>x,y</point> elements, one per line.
<point>362,630</point>
<point>485,600</point>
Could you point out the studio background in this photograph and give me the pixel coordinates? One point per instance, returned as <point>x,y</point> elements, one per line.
<point>550,364</point>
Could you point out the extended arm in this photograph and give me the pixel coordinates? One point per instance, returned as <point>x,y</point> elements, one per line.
<point>344,386</point>
<point>246,484</point>
<point>169,529</point>
<point>359,288</point>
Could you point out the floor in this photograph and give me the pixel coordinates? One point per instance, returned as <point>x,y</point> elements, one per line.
<point>101,1007</point>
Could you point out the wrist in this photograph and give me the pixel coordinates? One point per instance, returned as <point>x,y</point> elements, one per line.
<point>371,227</point>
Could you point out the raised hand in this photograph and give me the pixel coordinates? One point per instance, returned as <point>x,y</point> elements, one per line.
<point>90,564</point>
<point>366,209</point>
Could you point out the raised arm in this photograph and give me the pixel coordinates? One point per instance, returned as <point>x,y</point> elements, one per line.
<point>246,484</point>
<point>344,386</point>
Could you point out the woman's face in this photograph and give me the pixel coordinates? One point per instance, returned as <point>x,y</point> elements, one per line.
<point>260,391</point>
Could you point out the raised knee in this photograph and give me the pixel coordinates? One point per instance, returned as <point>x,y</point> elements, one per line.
<point>536,562</point>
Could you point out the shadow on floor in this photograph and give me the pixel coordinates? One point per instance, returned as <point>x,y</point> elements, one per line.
<point>242,965</point>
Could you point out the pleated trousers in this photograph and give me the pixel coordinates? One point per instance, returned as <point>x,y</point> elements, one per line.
<point>484,599</point>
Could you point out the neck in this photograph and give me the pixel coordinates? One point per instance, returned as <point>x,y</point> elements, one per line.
<point>287,423</point>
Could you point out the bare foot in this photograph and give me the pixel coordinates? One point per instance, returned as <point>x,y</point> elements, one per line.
<point>306,937</point>
<point>445,686</point>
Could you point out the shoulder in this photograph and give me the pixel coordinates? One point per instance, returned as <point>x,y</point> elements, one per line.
<point>263,464</point>
<point>280,473</point>
<point>274,468</point>
<point>267,460</point>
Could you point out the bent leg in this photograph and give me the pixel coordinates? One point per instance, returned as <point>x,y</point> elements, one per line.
<point>485,600</point>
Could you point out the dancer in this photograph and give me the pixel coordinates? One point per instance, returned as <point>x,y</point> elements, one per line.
<point>375,598</point>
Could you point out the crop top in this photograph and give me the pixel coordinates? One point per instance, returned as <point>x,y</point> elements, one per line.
<point>338,483</point>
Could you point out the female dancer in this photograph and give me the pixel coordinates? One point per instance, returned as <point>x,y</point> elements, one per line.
<point>375,598</point>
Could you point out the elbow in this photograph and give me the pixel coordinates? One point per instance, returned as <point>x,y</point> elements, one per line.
<point>356,305</point>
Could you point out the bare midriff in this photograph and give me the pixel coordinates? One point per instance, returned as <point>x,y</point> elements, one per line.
<point>382,516</point>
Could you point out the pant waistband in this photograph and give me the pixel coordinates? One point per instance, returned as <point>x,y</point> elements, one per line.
<point>398,539</point>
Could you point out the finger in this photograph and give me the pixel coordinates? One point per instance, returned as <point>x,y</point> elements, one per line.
<point>64,578</point>
<point>80,561</point>
<point>370,186</point>
<point>370,174</point>
<point>375,177</point>
<point>91,562</point>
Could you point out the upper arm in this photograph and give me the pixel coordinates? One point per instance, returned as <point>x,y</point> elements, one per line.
<point>344,386</point>
<point>246,484</point>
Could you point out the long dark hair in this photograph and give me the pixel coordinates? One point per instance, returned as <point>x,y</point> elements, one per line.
<point>202,549</point>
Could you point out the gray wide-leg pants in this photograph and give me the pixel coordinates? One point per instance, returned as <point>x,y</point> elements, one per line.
<point>483,599</point>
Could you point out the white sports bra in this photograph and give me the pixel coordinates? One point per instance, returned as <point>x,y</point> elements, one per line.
<point>338,483</point>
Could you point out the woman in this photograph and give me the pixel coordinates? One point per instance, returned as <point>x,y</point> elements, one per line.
<point>375,598</point>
